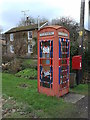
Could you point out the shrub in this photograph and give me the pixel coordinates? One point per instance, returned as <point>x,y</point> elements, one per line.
<point>29,73</point>
<point>7,58</point>
<point>15,66</point>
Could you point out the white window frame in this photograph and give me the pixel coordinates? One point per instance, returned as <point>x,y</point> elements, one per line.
<point>11,48</point>
<point>29,35</point>
<point>11,37</point>
<point>30,49</point>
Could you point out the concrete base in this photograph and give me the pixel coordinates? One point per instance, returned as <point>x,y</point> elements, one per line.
<point>72,97</point>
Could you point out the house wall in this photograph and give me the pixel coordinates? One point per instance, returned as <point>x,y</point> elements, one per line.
<point>3,43</point>
<point>20,39</point>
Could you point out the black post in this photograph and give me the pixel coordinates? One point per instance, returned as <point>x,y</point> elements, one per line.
<point>81,34</point>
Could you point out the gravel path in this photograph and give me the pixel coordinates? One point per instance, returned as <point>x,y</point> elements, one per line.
<point>82,107</point>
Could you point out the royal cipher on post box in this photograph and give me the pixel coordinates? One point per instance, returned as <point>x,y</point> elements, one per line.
<point>53,60</point>
<point>77,62</point>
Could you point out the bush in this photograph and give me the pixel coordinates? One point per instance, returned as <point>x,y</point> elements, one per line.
<point>29,63</point>
<point>27,73</point>
<point>7,58</point>
<point>15,66</point>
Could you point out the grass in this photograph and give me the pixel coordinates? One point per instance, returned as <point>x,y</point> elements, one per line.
<point>27,73</point>
<point>39,105</point>
<point>81,89</point>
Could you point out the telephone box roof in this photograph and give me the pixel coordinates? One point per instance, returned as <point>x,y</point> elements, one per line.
<point>54,26</point>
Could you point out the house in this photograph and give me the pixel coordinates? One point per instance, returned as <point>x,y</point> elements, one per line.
<point>21,40</point>
<point>3,44</point>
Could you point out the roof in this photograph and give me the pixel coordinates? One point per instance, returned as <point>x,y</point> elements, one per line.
<point>24,28</point>
<point>54,26</point>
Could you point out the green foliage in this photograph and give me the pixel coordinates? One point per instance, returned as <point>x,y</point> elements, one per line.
<point>27,73</point>
<point>73,52</point>
<point>81,89</point>
<point>73,48</point>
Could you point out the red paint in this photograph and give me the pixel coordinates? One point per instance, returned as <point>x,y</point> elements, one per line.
<point>77,62</point>
<point>56,89</point>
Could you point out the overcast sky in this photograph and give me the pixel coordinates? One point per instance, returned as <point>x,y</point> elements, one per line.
<point>10,10</point>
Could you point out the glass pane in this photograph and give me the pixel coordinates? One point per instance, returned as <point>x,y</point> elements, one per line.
<point>46,72</point>
<point>11,37</point>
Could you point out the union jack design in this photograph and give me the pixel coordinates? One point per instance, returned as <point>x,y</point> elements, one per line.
<point>64,45</point>
<point>48,51</point>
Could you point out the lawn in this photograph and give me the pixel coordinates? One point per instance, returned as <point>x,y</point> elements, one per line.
<point>24,92</point>
<point>81,89</point>
<point>29,103</point>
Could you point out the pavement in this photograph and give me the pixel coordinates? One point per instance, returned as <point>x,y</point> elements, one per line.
<point>73,97</point>
<point>80,103</point>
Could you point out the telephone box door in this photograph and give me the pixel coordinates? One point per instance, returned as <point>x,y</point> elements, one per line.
<point>64,46</point>
<point>46,63</point>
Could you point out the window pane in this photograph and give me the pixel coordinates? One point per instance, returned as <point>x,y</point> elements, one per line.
<point>11,37</point>
<point>29,34</point>
<point>30,49</point>
<point>11,49</point>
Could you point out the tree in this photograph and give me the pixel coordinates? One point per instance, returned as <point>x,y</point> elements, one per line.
<point>20,44</point>
<point>43,19</point>
<point>29,20</point>
<point>70,24</point>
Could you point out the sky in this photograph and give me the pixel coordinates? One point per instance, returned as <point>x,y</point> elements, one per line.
<point>10,10</point>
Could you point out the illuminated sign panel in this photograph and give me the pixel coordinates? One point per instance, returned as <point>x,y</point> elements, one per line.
<point>46,34</point>
<point>63,34</point>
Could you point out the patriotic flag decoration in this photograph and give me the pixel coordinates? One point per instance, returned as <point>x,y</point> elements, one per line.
<point>46,54</point>
<point>64,45</point>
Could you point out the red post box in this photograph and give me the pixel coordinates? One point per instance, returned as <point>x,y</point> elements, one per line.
<point>77,62</point>
<point>53,60</point>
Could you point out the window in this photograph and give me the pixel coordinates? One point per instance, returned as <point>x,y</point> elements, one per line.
<point>29,34</point>
<point>30,48</point>
<point>11,49</point>
<point>11,37</point>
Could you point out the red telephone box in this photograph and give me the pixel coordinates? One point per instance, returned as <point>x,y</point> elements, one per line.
<point>53,60</point>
